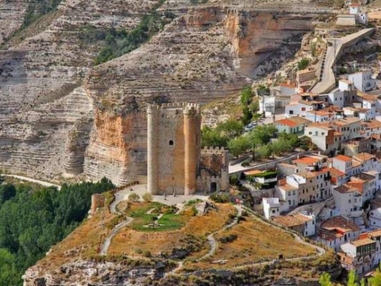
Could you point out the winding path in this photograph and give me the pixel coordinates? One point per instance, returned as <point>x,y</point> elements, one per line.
<point>42,183</point>
<point>114,232</point>
<point>213,242</point>
<point>118,227</point>
<point>320,250</point>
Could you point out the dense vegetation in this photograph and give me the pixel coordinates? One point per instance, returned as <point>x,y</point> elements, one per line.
<point>32,221</point>
<point>37,8</point>
<point>120,42</point>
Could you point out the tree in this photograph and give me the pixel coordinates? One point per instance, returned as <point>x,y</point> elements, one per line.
<point>239,145</point>
<point>147,197</point>
<point>246,96</point>
<point>376,279</point>
<point>247,115</point>
<point>262,152</point>
<point>212,137</point>
<point>7,192</point>
<point>325,279</point>
<point>230,128</point>
<point>263,90</point>
<point>303,63</point>
<point>263,134</point>
<point>352,278</point>
<point>133,197</point>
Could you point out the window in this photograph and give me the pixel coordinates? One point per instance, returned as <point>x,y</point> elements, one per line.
<point>303,109</point>
<point>171,142</point>
<point>349,201</point>
<point>291,112</point>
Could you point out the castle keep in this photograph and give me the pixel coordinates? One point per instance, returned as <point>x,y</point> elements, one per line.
<point>175,163</point>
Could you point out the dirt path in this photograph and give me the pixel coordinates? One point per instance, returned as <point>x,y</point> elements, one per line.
<point>320,251</point>
<point>42,183</point>
<point>213,242</point>
<point>114,232</point>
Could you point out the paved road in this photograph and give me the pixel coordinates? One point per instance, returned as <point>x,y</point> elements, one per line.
<point>328,80</point>
<point>238,168</point>
<point>42,183</point>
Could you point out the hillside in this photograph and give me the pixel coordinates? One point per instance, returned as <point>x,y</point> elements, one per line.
<point>179,245</point>
<point>63,117</point>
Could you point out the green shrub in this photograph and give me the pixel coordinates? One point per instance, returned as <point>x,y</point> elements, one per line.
<point>147,197</point>
<point>133,197</point>
<point>220,198</point>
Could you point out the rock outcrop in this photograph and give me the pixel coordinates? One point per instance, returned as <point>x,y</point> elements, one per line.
<point>60,116</point>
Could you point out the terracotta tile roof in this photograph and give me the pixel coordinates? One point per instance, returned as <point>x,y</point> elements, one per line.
<point>361,242</point>
<point>292,220</point>
<point>355,163</point>
<point>253,172</point>
<point>363,157</point>
<point>286,122</point>
<point>375,233</point>
<point>336,173</point>
<point>343,158</point>
<point>306,160</point>
<point>343,189</point>
<point>346,121</point>
<point>288,188</point>
<point>373,124</point>
<point>299,120</point>
<point>322,125</point>
<point>339,223</point>
<point>287,85</point>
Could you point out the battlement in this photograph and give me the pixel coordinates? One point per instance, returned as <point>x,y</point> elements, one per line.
<point>213,150</point>
<point>185,106</point>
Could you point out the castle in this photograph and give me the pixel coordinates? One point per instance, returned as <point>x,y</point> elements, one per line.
<point>176,164</point>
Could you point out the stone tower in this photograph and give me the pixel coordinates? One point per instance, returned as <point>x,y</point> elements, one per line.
<point>173,148</point>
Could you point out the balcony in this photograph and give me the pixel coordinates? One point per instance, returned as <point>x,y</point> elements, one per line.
<point>262,180</point>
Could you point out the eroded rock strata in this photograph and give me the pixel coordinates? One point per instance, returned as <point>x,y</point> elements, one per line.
<point>62,116</point>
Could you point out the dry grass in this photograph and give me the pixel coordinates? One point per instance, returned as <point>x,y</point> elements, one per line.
<point>255,241</point>
<point>128,240</point>
<point>84,241</point>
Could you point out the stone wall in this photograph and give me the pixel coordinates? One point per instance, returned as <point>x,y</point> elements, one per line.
<point>173,148</point>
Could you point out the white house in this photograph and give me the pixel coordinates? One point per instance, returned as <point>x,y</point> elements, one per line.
<point>337,98</point>
<point>271,207</point>
<point>363,80</point>
<point>323,136</point>
<point>375,218</point>
<point>321,115</point>
<point>345,85</point>
<point>348,201</point>
<point>299,108</point>
<point>267,105</point>
<point>337,230</point>
<point>359,255</point>
<point>354,9</point>
<point>288,194</point>
<point>301,222</point>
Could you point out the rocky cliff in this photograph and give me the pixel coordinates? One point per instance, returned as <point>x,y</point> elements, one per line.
<point>61,116</point>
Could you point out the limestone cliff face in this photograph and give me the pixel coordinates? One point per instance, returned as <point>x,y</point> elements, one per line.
<point>206,54</point>
<point>62,116</point>
<point>255,35</point>
<point>117,147</point>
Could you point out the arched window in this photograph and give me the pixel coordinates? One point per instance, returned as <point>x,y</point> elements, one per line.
<point>170,142</point>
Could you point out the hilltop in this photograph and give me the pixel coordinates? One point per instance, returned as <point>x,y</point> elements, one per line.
<point>185,242</point>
